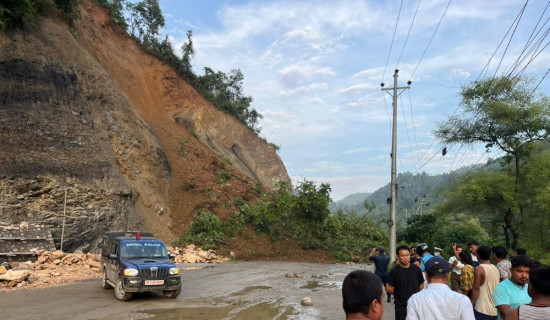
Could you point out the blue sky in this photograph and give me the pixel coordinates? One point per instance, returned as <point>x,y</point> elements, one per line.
<point>314,70</point>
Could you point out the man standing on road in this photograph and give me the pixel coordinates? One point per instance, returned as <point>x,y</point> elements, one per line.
<point>363,296</point>
<point>437,301</point>
<point>422,252</point>
<point>486,278</point>
<point>456,266</point>
<point>512,293</point>
<point>381,262</point>
<point>404,280</point>
<point>503,265</point>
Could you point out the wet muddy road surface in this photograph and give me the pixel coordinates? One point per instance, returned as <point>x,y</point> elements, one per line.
<point>240,290</point>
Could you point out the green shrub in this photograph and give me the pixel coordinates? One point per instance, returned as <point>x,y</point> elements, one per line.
<point>206,231</point>
<point>301,215</point>
<point>223,176</point>
<point>239,202</point>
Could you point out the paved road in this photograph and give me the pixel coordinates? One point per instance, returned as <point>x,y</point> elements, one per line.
<point>241,290</point>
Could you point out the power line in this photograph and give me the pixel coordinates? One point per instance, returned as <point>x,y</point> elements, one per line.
<point>501,41</point>
<point>532,37</point>
<point>393,37</point>
<point>478,77</point>
<point>408,33</point>
<point>511,37</point>
<point>538,84</point>
<point>429,42</point>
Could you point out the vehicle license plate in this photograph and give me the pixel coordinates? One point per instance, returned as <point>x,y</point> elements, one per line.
<point>154,282</point>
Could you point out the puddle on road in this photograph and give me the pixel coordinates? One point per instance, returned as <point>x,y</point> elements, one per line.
<point>263,310</point>
<point>249,289</point>
<point>315,286</point>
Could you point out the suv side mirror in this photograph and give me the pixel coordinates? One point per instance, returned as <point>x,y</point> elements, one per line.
<point>172,256</point>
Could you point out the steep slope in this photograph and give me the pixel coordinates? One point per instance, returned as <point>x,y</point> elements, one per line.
<point>84,111</point>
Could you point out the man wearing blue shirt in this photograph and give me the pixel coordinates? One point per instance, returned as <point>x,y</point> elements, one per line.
<point>422,251</point>
<point>512,293</point>
<point>381,262</point>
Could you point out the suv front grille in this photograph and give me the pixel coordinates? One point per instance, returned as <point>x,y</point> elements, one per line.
<point>153,272</point>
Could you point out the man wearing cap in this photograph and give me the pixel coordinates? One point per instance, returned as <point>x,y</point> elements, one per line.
<point>381,262</point>
<point>422,252</point>
<point>438,252</point>
<point>438,301</point>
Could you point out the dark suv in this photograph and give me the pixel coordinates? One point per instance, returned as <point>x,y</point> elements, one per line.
<point>137,262</point>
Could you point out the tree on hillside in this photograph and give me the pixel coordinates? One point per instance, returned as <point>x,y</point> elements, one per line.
<point>503,113</point>
<point>226,92</point>
<point>537,175</point>
<point>188,54</point>
<point>146,20</point>
<point>116,11</point>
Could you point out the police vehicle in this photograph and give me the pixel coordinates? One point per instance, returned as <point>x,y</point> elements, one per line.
<point>133,262</point>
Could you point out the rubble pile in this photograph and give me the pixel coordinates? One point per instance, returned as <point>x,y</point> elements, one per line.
<point>191,254</point>
<point>50,268</point>
<point>57,267</point>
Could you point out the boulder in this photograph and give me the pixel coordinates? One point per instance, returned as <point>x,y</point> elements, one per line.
<point>306,301</point>
<point>3,270</point>
<point>58,254</point>
<point>203,254</point>
<point>15,275</point>
<point>189,258</point>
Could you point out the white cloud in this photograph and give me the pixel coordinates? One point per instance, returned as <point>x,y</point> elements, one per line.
<point>358,88</point>
<point>314,70</point>
<point>304,89</point>
<point>359,150</point>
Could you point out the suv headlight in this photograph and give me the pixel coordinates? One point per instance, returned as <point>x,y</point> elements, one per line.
<point>130,272</point>
<point>174,271</point>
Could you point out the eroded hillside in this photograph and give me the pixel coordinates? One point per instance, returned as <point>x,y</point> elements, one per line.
<point>85,113</point>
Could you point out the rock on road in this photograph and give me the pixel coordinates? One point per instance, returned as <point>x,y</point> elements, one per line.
<point>239,290</point>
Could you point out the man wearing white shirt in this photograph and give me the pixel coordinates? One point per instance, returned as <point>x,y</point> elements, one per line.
<point>438,301</point>
<point>456,267</point>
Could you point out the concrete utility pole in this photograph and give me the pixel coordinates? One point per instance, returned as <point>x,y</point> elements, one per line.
<point>393,209</point>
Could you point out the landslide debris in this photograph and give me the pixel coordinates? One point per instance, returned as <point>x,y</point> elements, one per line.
<point>54,268</point>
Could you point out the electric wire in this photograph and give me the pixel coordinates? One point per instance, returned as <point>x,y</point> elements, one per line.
<point>408,33</point>
<point>486,67</point>
<point>429,42</point>
<point>511,37</point>
<point>392,39</point>
<point>538,84</point>
<point>532,37</point>
<point>520,73</point>
<point>387,110</point>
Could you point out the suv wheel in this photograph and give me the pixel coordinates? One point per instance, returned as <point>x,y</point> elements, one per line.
<point>172,294</point>
<point>120,293</point>
<point>104,283</point>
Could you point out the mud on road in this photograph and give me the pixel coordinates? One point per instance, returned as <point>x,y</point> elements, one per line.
<point>240,290</point>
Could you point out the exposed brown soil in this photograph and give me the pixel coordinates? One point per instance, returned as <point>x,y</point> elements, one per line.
<point>86,109</point>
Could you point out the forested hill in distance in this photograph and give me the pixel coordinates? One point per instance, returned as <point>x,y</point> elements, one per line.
<point>416,192</point>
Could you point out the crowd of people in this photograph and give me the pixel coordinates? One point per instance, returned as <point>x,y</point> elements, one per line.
<point>477,283</point>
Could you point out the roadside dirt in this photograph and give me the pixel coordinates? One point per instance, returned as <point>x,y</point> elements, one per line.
<point>236,290</point>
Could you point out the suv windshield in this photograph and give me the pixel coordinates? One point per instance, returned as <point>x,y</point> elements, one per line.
<point>142,249</point>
